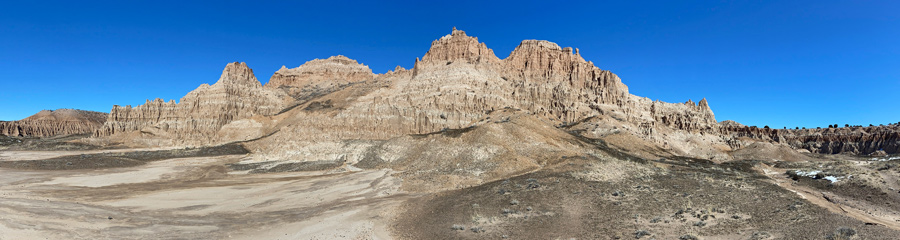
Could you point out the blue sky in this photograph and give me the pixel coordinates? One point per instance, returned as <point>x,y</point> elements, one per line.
<point>776,63</point>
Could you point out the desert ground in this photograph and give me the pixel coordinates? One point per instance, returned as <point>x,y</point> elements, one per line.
<point>206,193</point>
<point>192,198</point>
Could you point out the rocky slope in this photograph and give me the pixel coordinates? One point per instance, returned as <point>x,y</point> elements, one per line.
<point>197,118</point>
<point>48,123</point>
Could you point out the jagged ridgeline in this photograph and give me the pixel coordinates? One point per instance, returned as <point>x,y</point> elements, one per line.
<point>320,105</point>
<point>49,123</point>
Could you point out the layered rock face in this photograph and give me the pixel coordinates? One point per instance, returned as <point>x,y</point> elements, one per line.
<point>855,140</point>
<point>200,114</point>
<point>48,123</point>
<point>319,77</point>
<point>457,46</point>
<point>324,109</point>
<point>558,82</point>
<point>460,81</point>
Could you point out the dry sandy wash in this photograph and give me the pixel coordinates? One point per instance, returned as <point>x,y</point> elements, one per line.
<point>193,198</point>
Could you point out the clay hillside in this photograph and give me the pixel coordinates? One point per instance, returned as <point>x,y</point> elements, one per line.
<point>49,123</point>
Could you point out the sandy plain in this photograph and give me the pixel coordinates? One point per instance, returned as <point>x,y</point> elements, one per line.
<point>192,198</point>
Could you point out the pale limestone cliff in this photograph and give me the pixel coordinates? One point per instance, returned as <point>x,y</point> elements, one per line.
<point>200,114</point>
<point>48,123</point>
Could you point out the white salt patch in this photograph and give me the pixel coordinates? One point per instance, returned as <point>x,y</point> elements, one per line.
<point>885,159</point>
<point>809,173</point>
<point>813,173</point>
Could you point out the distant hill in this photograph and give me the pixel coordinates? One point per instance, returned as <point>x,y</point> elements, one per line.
<point>48,123</point>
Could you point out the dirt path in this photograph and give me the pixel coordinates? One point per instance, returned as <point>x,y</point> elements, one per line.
<point>827,200</point>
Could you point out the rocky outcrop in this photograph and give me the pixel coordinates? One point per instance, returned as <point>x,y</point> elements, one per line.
<point>853,140</point>
<point>320,76</point>
<point>457,46</point>
<point>199,115</point>
<point>48,123</point>
<point>559,82</point>
<point>460,81</point>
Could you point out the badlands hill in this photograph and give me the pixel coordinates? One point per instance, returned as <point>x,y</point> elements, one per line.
<point>324,103</point>
<point>540,145</point>
<point>47,123</point>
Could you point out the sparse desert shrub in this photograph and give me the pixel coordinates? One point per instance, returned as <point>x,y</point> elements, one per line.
<point>641,233</point>
<point>514,202</point>
<point>532,183</point>
<point>688,237</point>
<point>700,224</point>
<point>794,206</point>
<point>841,233</point>
<point>760,236</point>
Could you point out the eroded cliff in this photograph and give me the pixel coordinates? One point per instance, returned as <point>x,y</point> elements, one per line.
<point>199,115</point>
<point>853,140</point>
<point>48,123</point>
<point>319,77</point>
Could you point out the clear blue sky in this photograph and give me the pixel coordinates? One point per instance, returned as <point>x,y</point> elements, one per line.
<point>776,63</point>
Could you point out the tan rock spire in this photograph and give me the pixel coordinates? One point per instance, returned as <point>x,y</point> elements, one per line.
<point>457,46</point>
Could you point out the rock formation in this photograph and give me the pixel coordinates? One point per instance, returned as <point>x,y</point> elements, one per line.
<point>854,140</point>
<point>310,113</point>
<point>457,46</point>
<point>200,114</point>
<point>460,81</point>
<point>48,123</point>
<point>320,76</point>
